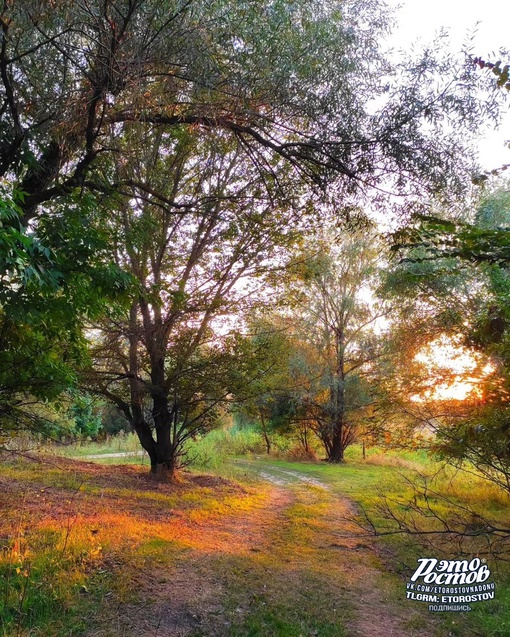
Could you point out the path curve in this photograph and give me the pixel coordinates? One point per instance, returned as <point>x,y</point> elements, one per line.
<point>235,554</point>
<point>376,614</point>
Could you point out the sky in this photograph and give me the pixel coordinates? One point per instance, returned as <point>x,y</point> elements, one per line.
<point>489,22</point>
<point>419,21</point>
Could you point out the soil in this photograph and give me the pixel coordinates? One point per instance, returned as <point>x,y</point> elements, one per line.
<point>186,601</point>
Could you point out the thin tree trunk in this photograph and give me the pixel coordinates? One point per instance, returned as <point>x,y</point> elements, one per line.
<point>264,432</point>
<point>338,400</point>
<point>305,440</point>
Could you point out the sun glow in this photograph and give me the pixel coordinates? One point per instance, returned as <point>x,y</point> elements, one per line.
<point>455,372</point>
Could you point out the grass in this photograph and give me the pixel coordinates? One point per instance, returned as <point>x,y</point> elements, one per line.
<point>122,443</point>
<point>43,574</point>
<point>78,539</point>
<point>205,452</point>
<point>91,545</point>
<point>265,608</point>
<point>76,535</point>
<point>366,482</point>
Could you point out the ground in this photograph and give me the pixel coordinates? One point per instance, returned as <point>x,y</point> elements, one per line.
<point>262,548</point>
<point>274,553</point>
<point>277,553</point>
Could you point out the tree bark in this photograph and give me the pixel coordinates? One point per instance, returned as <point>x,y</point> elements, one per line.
<point>264,432</point>
<point>336,454</point>
<point>144,433</point>
<point>337,393</point>
<point>166,460</point>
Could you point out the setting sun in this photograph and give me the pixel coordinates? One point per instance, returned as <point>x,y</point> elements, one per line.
<point>455,372</point>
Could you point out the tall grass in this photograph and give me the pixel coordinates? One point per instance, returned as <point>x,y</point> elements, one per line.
<point>212,450</point>
<point>205,452</point>
<point>43,573</point>
<point>121,443</point>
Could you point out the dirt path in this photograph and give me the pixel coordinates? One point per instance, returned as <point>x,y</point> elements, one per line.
<point>279,569</point>
<point>375,612</point>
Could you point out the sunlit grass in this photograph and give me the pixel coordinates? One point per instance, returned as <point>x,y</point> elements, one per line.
<point>121,443</point>
<point>65,529</point>
<point>82,540</point>
<point>78,536</point>
<point>367,482</point>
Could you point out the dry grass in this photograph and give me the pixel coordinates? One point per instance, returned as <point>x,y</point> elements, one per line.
<point>105,551</point>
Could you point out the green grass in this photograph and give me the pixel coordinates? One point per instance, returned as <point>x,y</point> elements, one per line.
<point>43,579</point>
<point>366,483</point>
<point>73,539</point>
<point>212,450</point>
<point>121,443</point>
<point>258,606</point>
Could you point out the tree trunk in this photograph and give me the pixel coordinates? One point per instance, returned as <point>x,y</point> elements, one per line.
<point>166,458</point>
<point>161,451</point>
<point>264,432</point>
<point>336,453</point>
<point>165,470</point>
<point>144,433</point>
<point>337,397</point>
<point>306,445</point>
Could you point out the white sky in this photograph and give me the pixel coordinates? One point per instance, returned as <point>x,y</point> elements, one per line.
<point>420,20</point>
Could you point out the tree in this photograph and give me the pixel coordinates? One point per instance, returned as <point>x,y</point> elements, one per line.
<point>198,254</point>
<point>468,260</point>
<point>267,399</point>
<point>503,74</point>
<point>335,345</point>
<point>284,99</point>
<point>86,415</point>
<point>48,283</point>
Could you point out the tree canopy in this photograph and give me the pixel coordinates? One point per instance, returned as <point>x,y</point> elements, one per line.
<point>301,84</point>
